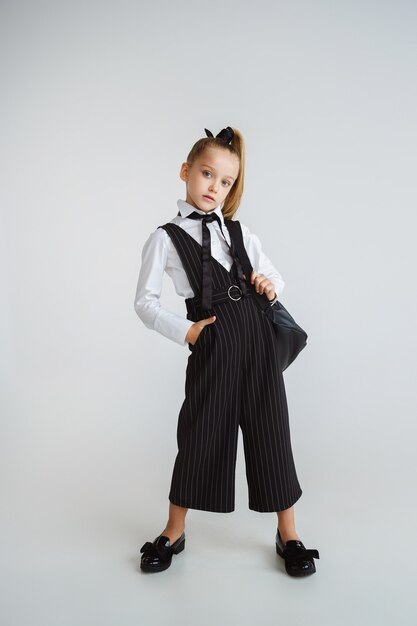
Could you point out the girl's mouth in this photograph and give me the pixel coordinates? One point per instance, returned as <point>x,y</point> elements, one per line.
<point>209,198</point>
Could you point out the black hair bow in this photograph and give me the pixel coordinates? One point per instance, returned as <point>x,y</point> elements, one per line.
<point>225,135</point>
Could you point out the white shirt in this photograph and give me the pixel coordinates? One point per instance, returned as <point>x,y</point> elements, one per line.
<point>159,254</point>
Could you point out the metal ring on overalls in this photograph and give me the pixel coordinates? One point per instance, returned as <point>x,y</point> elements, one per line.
<point>228,293</point>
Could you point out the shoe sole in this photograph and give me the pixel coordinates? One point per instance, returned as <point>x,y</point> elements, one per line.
<point>163,566</point>
<point>295,574</point>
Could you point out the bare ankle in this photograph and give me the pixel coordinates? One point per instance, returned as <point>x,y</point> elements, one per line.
<point>288,533</point>
<point>173,532</point>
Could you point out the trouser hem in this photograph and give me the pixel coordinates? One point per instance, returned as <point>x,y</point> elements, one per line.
<point>198,507</point>
<point>274,509</point>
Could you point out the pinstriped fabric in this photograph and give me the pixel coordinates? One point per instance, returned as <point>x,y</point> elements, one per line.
<point>233,378</point>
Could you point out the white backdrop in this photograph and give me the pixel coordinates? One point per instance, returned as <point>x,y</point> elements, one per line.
<point>101,102</point>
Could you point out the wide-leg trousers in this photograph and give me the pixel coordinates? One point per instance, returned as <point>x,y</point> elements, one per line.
<point>233,379</point>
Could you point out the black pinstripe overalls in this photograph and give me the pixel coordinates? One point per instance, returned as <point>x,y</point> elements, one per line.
<point>233,379</point>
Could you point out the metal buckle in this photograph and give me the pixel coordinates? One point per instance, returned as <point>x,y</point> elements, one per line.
<point>237,287</point>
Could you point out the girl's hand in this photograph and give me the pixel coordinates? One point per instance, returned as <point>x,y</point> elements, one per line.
<point>263,285</point>
<point>195,330</point>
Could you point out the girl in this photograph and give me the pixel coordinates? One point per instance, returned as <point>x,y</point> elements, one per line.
<point>233,377</point>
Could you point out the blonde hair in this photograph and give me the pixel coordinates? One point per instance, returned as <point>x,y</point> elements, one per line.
<point>236,146</point>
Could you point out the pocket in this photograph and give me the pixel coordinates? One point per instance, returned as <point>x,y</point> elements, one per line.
<point>199,338</point>
<point>193,346</point>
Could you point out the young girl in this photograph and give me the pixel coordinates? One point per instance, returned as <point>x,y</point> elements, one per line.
<point>233,374</point>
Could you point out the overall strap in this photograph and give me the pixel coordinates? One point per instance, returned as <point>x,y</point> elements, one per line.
<point>236,235</point>
<point>190,260</point>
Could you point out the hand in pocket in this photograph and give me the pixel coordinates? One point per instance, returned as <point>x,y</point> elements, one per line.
<point>196,329</point>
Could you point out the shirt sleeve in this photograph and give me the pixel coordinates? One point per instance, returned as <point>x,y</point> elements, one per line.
<point>148,292</point>
<point>260,262</point>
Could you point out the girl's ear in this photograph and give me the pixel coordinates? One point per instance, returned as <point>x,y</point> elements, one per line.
<point>184,172</point>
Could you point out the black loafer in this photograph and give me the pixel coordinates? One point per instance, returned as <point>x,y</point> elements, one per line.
<point>299,561</point>
<point>157,555</point>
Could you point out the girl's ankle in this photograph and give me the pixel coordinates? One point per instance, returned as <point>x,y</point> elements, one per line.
<point>287,534</point>
<point>173,533</point>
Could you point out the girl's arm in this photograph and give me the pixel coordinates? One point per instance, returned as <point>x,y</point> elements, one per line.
<point>260,262</point>
<point>147,299</point>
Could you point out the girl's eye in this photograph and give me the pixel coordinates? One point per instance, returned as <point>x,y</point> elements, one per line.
<point>207,172</point>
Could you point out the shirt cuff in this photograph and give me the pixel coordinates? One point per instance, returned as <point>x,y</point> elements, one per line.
<point>175,331</point>
<point>187,328</point>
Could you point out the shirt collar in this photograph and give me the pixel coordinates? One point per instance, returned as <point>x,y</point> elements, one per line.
<point>185,208</point>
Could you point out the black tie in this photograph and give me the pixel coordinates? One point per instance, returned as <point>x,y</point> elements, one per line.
<point>206,257</point>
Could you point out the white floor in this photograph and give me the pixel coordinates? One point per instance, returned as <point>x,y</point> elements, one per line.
<point>77,564</point>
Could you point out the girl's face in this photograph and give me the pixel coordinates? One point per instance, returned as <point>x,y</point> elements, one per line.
<point>211,175</point>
